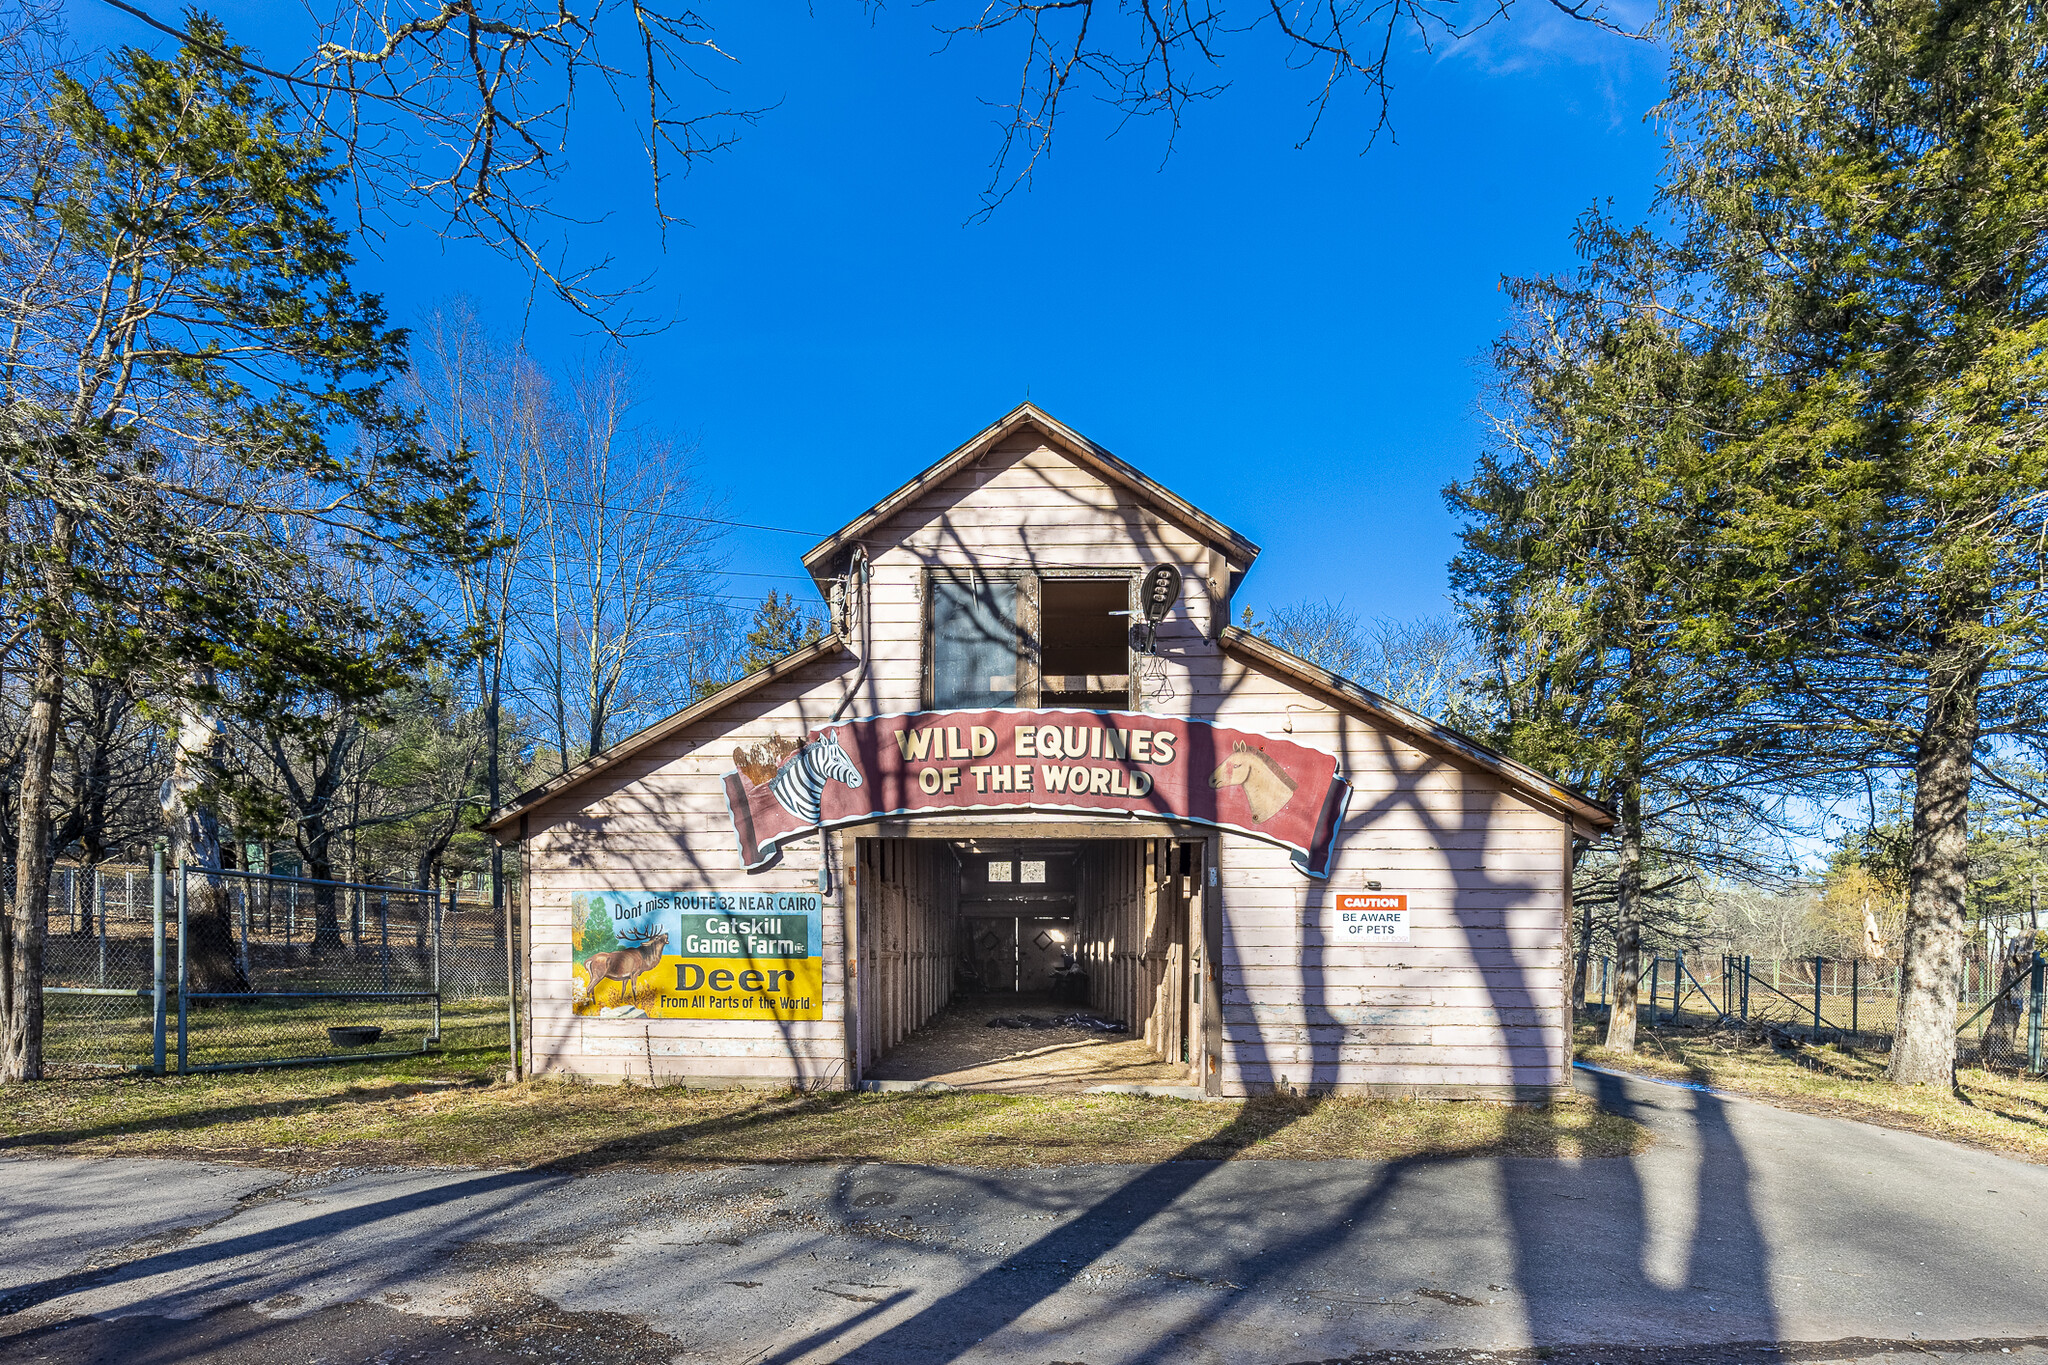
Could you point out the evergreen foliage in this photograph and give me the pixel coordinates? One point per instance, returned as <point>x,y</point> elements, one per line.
<point>1868,186</point>
<point>781,626</point>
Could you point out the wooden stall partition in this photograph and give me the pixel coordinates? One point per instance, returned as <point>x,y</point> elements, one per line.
<point>1132,928</point>
<point>909,895</point>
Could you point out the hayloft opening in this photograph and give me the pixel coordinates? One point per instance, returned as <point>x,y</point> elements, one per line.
<point>1084,650</point>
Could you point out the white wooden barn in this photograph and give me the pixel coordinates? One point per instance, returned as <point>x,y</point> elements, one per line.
<point>995,777</point>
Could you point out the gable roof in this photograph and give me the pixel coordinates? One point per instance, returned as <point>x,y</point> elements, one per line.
<point>820,560</point>
<point>662,729</point>
<point>1394,716</point>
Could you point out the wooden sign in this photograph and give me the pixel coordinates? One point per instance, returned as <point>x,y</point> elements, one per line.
<point>699,954</point>
<point>1115,762</point>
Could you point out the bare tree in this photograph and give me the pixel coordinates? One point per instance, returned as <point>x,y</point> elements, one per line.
<point>1153,58</point>
<point>620,622</point>
<point>463,111</point>
<point>1425,664</point>
<point>483,394</point>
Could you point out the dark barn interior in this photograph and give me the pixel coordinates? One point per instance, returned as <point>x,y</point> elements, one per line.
<point>1088,932</point>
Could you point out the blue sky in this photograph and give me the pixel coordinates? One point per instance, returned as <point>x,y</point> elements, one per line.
<point>1291,338</point>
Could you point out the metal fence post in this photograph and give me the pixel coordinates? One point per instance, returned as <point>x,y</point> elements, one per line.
<point>156,914</point>
<point>1656,964</point>
<point>2034,1016</point>
<point>184,876</point>
<point>1677,981</point>
<point>1745,988</point>
<point>384,941</point>
<point>1817,960</point>
<point>439,920</point>
<point>99,915</point>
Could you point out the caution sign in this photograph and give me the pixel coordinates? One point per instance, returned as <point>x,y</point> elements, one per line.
<point>1373,917</point>
<point>699,954</point>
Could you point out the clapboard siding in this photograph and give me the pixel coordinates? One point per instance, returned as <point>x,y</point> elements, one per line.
<point>1473,1004</point>
<point>670,799</point>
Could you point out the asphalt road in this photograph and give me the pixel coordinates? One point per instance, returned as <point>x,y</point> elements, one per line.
<point>1744,1228</point>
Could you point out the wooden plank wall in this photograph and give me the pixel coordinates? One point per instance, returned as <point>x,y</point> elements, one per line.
<point>1131,928</point>
<point>659,823</point>
<point>1472,1005</point>
<point>910,897</point>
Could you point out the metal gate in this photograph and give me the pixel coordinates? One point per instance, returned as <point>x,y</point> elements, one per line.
<point>229,969</point>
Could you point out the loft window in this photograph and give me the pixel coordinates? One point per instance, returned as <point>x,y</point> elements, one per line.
<point>999,871</point>
<point>1084,651</point>
<point>974,641</point>
<point>1031,871</point>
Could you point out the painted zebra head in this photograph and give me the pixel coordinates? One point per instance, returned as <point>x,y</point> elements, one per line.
<point>799,784</point>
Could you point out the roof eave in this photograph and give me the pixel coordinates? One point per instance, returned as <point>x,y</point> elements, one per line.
<point>662,729</point>
<point>1517,774</point>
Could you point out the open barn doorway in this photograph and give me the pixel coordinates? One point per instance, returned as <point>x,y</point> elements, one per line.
<point>1030,964</point>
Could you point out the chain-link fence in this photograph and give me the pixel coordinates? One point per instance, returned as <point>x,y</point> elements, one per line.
<point>204,970</point>
<point>99,968</point>
<point>1999,1012</point>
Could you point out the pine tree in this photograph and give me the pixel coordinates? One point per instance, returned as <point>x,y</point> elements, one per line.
<point>595,933</point>
<point>183,344</point>
<point>1868,185</point>
<point>780,627</point>
<point>1581,565</point>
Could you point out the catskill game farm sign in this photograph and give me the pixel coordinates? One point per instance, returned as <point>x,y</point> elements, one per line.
<point>1113,762</point>
<point>700,954</point>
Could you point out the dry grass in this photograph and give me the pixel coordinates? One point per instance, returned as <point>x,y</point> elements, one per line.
<point>1987,1109</point>
<point>445,1110</point>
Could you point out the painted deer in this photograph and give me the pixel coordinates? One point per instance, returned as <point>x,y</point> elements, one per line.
<point>1267,787</point>
<point>625,965</point>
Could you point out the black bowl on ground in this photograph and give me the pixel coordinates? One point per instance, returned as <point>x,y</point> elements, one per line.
<point>354,1035</point>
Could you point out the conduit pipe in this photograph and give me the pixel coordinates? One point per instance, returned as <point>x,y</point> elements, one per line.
<point>859,566</point>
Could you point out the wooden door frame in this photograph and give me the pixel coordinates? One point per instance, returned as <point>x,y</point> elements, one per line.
<point>1210,1075</point>
<point>852,888</point>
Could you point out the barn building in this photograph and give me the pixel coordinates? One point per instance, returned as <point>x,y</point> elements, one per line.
<point>1033,762</point>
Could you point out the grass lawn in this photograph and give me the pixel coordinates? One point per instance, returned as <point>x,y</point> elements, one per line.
<point>446,1109</point>
<point>1989,1109</point>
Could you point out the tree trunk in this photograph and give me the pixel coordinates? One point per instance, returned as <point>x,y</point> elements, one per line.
<point>2001,1040</point>
<point>212,963</point>
<point>23,927</point>
<point>1628,922</point>
<point>319,853</point>
<point>492,781</point>
<point>1924,1049</point>
<point>1582,960</point>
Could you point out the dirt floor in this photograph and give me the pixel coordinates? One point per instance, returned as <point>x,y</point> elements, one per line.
<point>959,1048</point>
